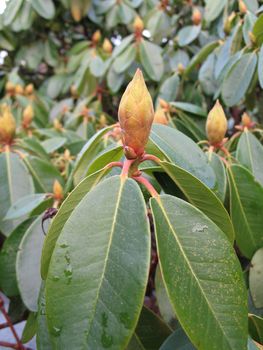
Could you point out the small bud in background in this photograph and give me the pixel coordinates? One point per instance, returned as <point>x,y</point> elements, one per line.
<point>196,16</point>
<point>216,124</point>
<point>242,7</point>
<point>67,155</point>
<point>7,125</point>
<point>76,11</point>
<point>57,125</point>
<point>28,115</point>
<point>135,116</point>
<point>107,46</point>
<point>57,191</point>
<point>228,22</point>
<point>246,120</point>
<point>29,89</point>
<point>103,120</point>
<point>160,117</point>
<point>96,37</point>
<point>180,68</point>
<point>164,104</point>
<point>138,25</point>
<point>74,91</point>
<point>19,90</point>
<point>10,88</point>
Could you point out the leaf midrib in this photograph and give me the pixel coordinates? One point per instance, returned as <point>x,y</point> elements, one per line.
<point>122,183</point>
<point>191,269</point>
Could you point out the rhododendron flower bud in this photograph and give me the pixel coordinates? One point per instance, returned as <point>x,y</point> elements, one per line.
<point>135,116</point>
<point>107,47</point>
<point>29,89</point>
<point>160,117</point>
<point>242,7</point>
<point>57,190</point>
<point>96,37</point>
<point>196,16</point>
<point>28,115</point>
<point>216,124</point>
<point>7,125</point>
<point>138,25</point>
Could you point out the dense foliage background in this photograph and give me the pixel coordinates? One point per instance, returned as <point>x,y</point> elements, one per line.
<point>64,65</point>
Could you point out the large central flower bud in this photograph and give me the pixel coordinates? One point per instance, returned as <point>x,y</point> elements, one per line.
<point>135,116</point>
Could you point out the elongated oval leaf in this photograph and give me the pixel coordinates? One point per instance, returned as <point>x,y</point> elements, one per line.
<point>63,214</point>
<point>220,172</point>
<point>28,264</point>
<point>15,183</point>
<point>250,154</point>
<point>255,325</point>
<point>8,283</point>
<point>11,11</point>
<point>124,60</point>
<point>260,67</point>
<point>246,208</point>
<point>256,278</point>
<point>102,255</point>
<point>45,9</point>
<point>151,60</point>
<point>202,275</point>
<point>201,197</point>
<point>237,81</point>
<point>189,107</point>
<point>182,151</point>
<point>213,8</point>
<point>258,30</point>
<point>25,205</point>
<point>178,341</point>
<point>87,154</point>
<point>188,34</point>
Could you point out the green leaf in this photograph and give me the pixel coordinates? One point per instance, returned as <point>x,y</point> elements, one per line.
<point>8,283</point>
<point>255,278</point>
<point>169,88</point>
<point>246,207</point>
<point>114,80</point>
<point>188,34</point>
<point>151,59</point>
<point>192,251</point>
<point>200,56</point>
<point>250,154</point>
<point>63,214</point>
<point>11,11</point>
<point>45,9</point>
<point>24,205</point>
<point>15,183</point>
<point>237,81</point>
<point>213,9</point>
<point>28,264</point>
<point>201,197</point>
<point>190,108</point>
<point>43,173</point>
<point>252,5</point>
<point>258,30</point>
<point>260,67</point>
<point>251,345</point>
<point>51,145</point>
<point>125,59</point>
<point>106,266</point>
<point>30,328</point>
<point>124,43</point>
<point>88,153</point>
<point>150,331</point>
<point>42,338</point>
<point>177,341</point>
<point>249,22</point>
<point>220,172</point>
<point>182,151</point>
<point>97,66</point>
<point>255,327</point>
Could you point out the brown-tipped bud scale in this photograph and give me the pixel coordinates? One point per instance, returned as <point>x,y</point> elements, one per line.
<point>7,125</point>
<point>138,25</point>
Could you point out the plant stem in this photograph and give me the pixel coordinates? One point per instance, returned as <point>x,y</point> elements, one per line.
<point>113,164</point>
<point>151,157</point>
<point>142,180</point>
<point>126,167</point>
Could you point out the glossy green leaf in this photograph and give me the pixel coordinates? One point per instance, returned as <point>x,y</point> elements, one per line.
<point>87,154</point>
<point>255,327</point>
<point>251,345</point>
<point>246,207</point>
<point>258,30</point>
<point>177,341</point>
<point>123,45</point>
<point>201,197</point>
<point>252,5</point>
<point>30,328</point>
<point>24,205</point>
<point>11,11</point>
<point>45,9</point>
<point>8,283</point>
<point>213,9</point>
<point>42,338</point>
<point>260,67</point>
<point>114,80</point>
<point>110,154</point>
<point>238,79</point>
<point>106,266</point>
<point>190,108</point>
<point>51,145</point>
<point>151,59</point>
<point>182,151</point>
<point>15,183</point>
<point>188,34</point>
<point>256,278</point>
<point>207,298</point>
<point>150,331</point>
<point>63,214</point>
<point>125,59</point>
<point>169,88</point>
<point>28,264</point>
<point>220,172</point>
<point>97,66</point>
<point>250,154</point>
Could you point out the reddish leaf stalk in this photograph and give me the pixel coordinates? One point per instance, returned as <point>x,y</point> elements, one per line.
<point>151,157</point>
<point>142,180</point>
